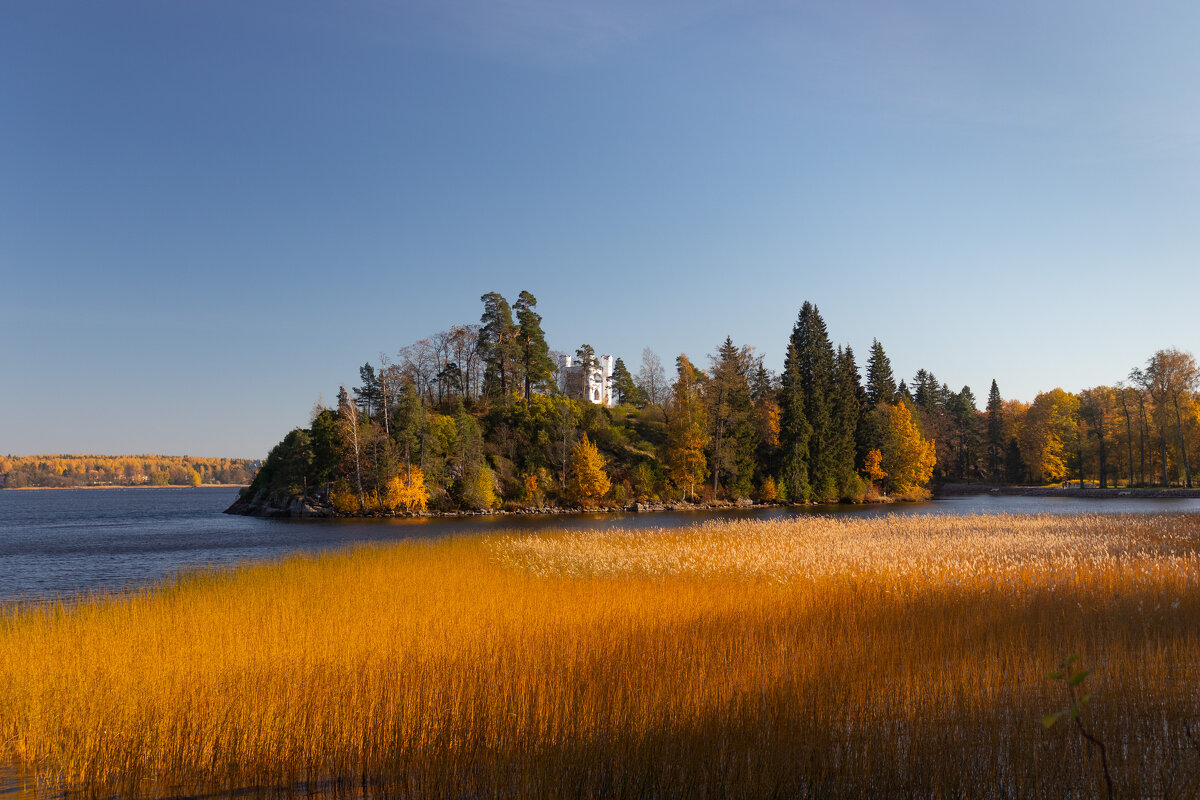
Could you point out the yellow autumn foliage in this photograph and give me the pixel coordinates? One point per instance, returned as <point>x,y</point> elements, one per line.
<point>587,482</point>
<point>907,458</point>
<point>406,492</point>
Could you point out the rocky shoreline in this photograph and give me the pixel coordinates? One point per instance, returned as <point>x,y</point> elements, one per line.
<point>310,507</point>
<point>298,507</point>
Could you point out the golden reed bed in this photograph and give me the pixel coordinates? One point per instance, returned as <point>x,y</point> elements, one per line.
<point>893,656</point>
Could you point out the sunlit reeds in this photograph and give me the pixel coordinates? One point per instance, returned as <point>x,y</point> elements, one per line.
<point>825,656</point>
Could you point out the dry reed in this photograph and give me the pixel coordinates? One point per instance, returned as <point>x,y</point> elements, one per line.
<point>892,656</point>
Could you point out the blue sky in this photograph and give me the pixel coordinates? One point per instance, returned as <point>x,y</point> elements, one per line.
<point>212,212</point>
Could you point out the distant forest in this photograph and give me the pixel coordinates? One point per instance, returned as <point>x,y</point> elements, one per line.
<point>473,418</point>
<point>66,471</point>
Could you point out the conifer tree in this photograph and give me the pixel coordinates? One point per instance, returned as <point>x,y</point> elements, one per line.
<point>585,356</point>
<point>964,417</point>
<point>408,431</point>
<point>881,385</point>
<point>369,396</point>
<point>687,429</point>
<point>794,433</point>
<point>498,346</point>
<point>626,389</point>
<point>846,410</point>
<point>536,367</point>
<point>814,362</point>
<point>732,424</point>
<point>995,432</point>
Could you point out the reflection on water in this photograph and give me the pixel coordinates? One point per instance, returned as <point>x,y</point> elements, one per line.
<point>17,784</point>
<point>57,543</point>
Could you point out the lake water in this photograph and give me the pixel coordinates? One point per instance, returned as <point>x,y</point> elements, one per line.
<point>63,542</point>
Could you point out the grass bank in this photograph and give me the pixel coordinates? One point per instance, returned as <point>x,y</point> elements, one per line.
<point>814,657</point>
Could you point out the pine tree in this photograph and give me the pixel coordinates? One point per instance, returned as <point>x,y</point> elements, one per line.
<point>536,367</point>
<point>369,396</point>
<point>585,356</point>
<point>881,385</point>
<point>498,346</point>
<point>623,384</point>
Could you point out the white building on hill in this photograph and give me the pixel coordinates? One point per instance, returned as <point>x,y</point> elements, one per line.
<point>595,387</point>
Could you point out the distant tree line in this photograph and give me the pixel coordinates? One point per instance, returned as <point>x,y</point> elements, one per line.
<point>472,418</point>
<point>66,471</point>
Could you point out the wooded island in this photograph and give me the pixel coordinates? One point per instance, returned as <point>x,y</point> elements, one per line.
<point>486,416</point>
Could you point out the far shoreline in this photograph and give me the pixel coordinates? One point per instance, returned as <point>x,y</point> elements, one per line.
<point>118,486</point>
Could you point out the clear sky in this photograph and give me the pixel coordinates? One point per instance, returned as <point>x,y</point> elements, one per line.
<point>211,213</point>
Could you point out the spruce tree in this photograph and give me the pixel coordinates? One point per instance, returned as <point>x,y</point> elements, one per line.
<point>881,384</point>
<point>814,362</point>
<point>732,429</point>
<point>965,418</point>
<point>794,433</point>
<point>995,432</point>
<point>848,402</point>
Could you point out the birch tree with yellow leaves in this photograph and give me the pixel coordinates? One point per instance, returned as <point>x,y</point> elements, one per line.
<point>907,458</point>
<point>587,482</point>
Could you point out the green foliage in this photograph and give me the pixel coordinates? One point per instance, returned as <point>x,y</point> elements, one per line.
<point>626,388</point>
<point>536,367</point>
<point>498,346</point>
<point>482,398</point>
<point>881,384</point>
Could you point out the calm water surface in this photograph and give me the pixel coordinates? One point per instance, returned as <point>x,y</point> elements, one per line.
<point>62,542</point>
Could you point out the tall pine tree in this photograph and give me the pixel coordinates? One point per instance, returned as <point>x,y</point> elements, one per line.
<point>497,346</point>
<point>536,367</point>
